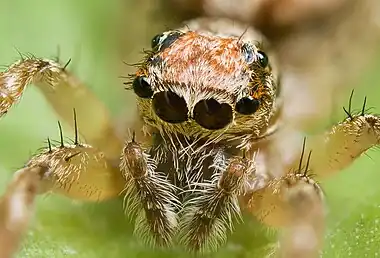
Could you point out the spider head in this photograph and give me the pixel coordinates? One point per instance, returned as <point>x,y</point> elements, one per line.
<point>198,84</point>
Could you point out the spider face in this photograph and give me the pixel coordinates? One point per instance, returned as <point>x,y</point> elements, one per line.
<point>197,83</point>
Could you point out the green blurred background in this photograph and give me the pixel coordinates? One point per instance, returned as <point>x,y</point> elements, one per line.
<point>98,35</point>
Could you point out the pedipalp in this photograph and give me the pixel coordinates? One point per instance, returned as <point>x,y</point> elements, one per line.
<point>213,206</point>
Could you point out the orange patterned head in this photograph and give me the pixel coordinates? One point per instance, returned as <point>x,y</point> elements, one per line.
<point>199,84</point>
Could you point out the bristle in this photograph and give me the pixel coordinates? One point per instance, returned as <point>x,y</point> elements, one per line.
<point>61,135</point>
<point>76,139</point>
<point>67,64</point>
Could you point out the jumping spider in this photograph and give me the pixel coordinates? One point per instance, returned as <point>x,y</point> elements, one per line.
<point>200,151</point>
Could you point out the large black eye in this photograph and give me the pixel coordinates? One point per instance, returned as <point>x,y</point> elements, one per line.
<point>263,59</point>
<point>170,107</point>
<point>142,88</point>
<point>247,106</point>
<point>212,115</point>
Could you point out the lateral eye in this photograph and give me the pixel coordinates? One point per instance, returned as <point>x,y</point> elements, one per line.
<point>263,59</point>
<point>247,105</point>
<point>142,88</point>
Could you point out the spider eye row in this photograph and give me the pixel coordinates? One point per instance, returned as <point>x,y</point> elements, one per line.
<point>208,113</point>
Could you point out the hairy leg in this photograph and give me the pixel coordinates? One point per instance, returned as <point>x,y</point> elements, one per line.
<point>16,208</point>
<point>64,92</point>
<point>338,147</point>
<point>210,212</point>
<point>332,150</point>
<point>294,202</point>
<point>344,143</point>
<point>77,171</point>
<point>149,195</point>
<point>303,236</point>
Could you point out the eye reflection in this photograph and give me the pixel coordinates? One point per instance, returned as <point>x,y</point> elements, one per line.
<point>170,107</point>
<point>212,115</point>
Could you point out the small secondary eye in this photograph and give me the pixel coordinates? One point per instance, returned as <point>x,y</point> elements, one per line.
<point>263,59</point>
<point>173,36</point>
<point>170,107</point>
<point>142,88</point>
<point>156,40</point>
<point>162,41</point>
<point>247,105</point>
<point>212,115</point>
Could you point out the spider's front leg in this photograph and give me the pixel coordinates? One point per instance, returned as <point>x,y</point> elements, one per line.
<point>149,195</point>
<point>303,235</point>
<point>209,214</point>
<point>346,141</point>
<point>294,202</point>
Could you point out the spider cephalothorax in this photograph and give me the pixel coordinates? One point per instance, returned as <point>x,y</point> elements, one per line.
<point>202,85</point>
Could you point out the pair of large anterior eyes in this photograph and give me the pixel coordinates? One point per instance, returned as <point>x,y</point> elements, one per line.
<point>208,113</point>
